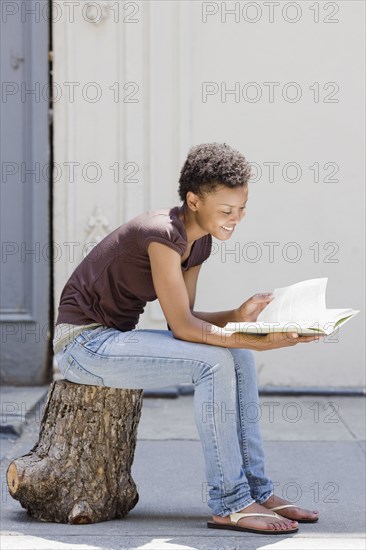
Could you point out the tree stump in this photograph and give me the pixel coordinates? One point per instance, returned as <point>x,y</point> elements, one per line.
<point>80,469</point>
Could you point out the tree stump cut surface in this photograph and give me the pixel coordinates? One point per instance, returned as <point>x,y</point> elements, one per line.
<point>80,469</point>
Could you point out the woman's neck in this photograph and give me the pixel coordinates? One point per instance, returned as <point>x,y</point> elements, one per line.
<point>193,230</point>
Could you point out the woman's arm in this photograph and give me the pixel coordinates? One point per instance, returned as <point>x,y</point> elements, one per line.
<point>218,318</point>
<point>174,299</point>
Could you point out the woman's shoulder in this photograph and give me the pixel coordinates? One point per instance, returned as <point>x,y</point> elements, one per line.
<point>158,215</point>
<point>162,225</point>
<point>164,219</point>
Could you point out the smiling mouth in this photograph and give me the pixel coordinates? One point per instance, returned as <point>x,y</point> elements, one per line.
<point>228,229</point>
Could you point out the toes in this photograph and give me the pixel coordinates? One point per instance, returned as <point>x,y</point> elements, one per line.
<point>281,526</point>
<point>300,514</point>
<point>289,525</point>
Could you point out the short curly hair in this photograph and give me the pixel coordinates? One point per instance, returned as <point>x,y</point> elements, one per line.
<point>212,165</point>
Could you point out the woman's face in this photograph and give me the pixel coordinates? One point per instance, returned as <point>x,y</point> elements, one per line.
<point>219,212</point>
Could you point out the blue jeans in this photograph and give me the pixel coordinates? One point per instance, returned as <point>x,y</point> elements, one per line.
<point>225,391</point>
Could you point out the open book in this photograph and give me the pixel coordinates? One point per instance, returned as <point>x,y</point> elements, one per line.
<point>297,308</point>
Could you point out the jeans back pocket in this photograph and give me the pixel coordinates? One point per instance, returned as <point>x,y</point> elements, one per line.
<point>74,372</point>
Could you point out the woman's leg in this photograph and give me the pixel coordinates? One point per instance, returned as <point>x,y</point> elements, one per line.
<point>147,359</point>
<point>154,359</point>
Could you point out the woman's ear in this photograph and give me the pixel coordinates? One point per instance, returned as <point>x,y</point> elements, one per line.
<point>192,200</point>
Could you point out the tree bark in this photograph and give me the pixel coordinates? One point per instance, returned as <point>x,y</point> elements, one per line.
<point>80,469</point>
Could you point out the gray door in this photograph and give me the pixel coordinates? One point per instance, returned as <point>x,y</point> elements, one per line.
<point>25,193</point>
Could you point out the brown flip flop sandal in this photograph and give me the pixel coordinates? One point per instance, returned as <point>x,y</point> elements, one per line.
<point>283,506</point>
<point>234,518</point>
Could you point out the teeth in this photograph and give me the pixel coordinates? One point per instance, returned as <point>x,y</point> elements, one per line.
<point>227,228</point>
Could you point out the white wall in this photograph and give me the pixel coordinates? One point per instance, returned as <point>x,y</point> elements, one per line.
<point>164,53</point>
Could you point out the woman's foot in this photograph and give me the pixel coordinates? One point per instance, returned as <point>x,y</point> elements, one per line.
<point>270,523</point>
<point>296,513</point>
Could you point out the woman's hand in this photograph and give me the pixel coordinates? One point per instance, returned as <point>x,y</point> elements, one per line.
<point>265,342</point>
<point>249,310</point>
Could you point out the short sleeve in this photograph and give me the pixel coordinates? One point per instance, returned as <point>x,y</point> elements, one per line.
<point>161,228</point>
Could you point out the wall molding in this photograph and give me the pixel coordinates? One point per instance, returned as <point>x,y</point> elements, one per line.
<point>98,226</point>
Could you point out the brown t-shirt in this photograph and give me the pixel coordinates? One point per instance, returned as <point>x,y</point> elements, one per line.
<point>113,282</point>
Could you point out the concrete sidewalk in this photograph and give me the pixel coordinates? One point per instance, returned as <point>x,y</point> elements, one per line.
<point>315,451</point>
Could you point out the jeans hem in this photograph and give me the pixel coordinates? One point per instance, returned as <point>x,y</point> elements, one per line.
<point>265,498</point>
<point>236,509</point>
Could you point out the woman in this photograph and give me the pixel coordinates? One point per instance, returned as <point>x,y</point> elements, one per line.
<point>159,255</point>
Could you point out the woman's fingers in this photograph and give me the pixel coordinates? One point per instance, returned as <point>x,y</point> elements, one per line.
<point>311,338</point>
<point>294,337</point>
<point>291,339</point>
<point>273,340</point>
<point>263,297</point>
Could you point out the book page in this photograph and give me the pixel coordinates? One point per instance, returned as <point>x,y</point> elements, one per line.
<point>304,301</point>
<point>337,316</point>
<point>297,308</point>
